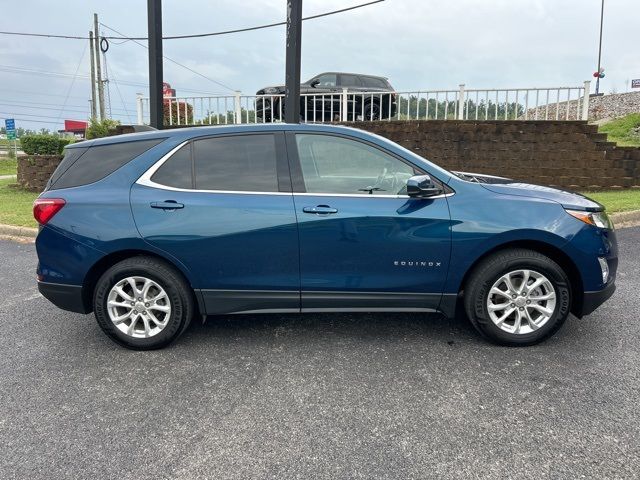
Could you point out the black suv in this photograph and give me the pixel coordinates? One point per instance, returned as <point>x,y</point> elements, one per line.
<point>370,98</point>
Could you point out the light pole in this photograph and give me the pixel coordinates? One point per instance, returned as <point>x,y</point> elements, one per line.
<point>292,69</point>
<point>154,20</point>
<point>600,48</point>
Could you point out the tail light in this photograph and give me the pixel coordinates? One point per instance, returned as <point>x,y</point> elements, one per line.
<point>45,208</point>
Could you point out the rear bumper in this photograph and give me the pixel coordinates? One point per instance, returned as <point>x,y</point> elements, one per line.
<point>592,300</point>
<point>66,297</point>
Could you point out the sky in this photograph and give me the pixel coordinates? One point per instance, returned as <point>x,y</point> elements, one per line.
<point>418,44</point>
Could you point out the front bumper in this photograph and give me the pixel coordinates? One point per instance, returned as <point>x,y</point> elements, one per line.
<point>592,300</point>
<point>66,297</point>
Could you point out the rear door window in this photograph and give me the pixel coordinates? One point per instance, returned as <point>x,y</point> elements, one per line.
<point>97,162</point>
<point>350,80</point>
<point>244,163</point>
<point>374,82</point>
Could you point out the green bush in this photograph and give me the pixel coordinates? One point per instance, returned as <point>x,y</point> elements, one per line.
<point>177,113</point>
<point>100,128</point>
<point>43,144</point>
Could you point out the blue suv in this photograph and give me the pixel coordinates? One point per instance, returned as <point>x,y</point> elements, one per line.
<point>150,229</point>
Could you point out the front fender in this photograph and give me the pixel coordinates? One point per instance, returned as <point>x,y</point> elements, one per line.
<point>483,221</point>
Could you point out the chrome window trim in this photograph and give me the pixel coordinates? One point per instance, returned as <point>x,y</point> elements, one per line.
<point>365,195</point>
<point>145,180</point>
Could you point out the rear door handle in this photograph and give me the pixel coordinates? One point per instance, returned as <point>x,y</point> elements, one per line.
<point>167,205</point>
<point>320,210</point>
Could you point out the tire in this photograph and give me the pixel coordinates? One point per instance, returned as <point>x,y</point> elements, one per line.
<point>539,319</point>
<point>171,312</point>
<point>371,111</point>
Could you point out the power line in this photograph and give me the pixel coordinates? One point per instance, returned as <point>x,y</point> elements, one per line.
<point>124,105</point>
<point>30,120</point>
<point>42,94</point>
<point>15,105</point>
<point>196,35</point>
<point>73,80</point>
<point>174,61</point>
<point>33,115</point>
<point>41,105</point>
<point>27,70</point>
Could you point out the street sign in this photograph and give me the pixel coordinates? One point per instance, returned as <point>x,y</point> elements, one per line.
<point>635,83</point>
<point>10,126</point>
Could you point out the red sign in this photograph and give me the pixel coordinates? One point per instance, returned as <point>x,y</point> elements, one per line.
<point>74,126</point>
<point>167,91</point>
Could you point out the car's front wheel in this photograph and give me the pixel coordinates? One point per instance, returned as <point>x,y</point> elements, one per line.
<point>143,303</point>
<point>518,297</point>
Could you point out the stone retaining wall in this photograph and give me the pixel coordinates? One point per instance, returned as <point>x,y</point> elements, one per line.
<point>566,154</point>
<point>34,170</point>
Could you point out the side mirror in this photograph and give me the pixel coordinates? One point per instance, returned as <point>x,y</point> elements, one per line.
<point>421,186</point>
<point>315,83</point>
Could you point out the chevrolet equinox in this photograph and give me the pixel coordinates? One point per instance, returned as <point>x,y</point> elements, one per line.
<point>148,230</point>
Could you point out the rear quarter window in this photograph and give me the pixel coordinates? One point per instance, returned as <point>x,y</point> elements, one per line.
<point>177,171</point>
<point>81,166</point>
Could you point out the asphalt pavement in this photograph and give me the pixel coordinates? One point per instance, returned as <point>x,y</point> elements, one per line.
<point>317,396</point>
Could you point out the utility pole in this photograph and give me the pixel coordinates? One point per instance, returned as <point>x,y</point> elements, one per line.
<point>93,77</point>
<point>154,21</point>
<point>96,44</point>
<point>292,69</point>
<point>600,48</point>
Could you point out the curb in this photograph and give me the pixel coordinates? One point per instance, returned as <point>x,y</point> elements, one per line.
<point>626,219</point>
<point>11,231</point>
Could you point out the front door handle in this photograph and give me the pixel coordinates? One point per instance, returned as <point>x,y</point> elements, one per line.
<point>167,205</point>
<point>320,210</point>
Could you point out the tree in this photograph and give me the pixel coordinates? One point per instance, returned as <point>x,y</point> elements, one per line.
<point>100,128</point>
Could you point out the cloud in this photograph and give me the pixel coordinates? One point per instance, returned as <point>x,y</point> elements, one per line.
<point>418,44</point>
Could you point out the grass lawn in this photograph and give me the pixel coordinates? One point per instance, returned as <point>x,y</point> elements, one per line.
<point>16,206</point>
<point>7,166</point>
<point>617,201</point>
<point>620,130</point>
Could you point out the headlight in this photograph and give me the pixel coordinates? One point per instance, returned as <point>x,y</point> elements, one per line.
<point>597,219</point>
<point>270,90</point>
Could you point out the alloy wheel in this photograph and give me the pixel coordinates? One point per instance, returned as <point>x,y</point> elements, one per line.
<point>138,307</point>
<point>521,301</point>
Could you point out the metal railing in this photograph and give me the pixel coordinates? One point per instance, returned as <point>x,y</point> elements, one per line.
<point>557,103</point>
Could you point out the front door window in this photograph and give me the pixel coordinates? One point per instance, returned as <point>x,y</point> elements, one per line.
<point>337,165</point>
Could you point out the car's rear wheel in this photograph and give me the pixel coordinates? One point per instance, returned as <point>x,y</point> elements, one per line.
<point>517,297</point>
<point>143,303</point>
<point>371,111</point>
